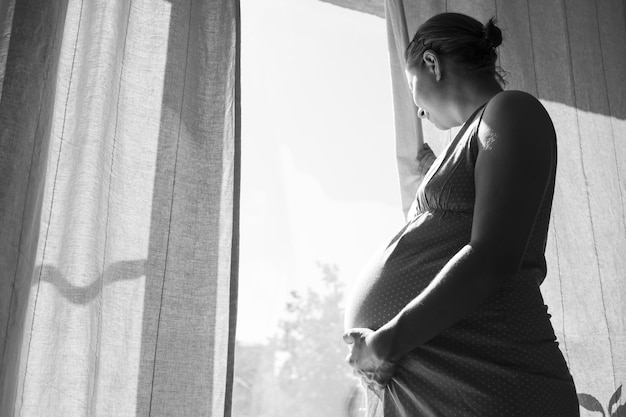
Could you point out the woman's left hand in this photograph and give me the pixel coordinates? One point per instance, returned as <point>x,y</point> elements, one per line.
<point>366,359</point>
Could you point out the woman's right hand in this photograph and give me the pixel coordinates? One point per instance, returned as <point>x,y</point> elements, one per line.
<point>425,158</point>
<point>366,362</point>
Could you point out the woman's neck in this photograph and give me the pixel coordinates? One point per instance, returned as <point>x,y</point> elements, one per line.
<point>470,94</point>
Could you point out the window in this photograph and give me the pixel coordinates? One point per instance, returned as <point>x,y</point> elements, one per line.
<point>319,195</point>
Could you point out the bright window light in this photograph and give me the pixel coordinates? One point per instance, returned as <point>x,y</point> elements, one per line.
<point>319,195</point>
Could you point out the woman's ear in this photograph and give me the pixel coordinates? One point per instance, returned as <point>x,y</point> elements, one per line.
<point>431,60</point>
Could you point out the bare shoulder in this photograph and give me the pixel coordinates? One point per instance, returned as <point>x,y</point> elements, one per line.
<point>512,116</point>
<point>512,171</point>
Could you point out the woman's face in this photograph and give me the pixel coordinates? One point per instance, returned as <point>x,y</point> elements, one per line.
<point>427,95</point>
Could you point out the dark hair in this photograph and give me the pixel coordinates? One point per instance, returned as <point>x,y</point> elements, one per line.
<point>460,38</point>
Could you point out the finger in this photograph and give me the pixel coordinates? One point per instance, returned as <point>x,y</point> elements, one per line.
<point>425,152</point>
<point>374,383</point>
<point>352,361</point>
<point>367,377</point>
<point>349,336</point>
<point>424,158</point>
<point>373,386</point>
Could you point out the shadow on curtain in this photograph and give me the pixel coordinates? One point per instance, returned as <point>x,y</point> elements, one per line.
<point>119,200</point>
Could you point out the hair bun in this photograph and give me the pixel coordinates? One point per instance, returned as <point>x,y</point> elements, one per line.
<point>492,35</point>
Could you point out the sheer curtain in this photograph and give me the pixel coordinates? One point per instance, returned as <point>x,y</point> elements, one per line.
<point>119,191</point>
<point>571,54</point>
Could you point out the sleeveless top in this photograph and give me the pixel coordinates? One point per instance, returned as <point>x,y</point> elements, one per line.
<point>500,360</point>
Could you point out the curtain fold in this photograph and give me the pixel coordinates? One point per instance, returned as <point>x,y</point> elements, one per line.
<point>119,194</point>
<point>571,55</point>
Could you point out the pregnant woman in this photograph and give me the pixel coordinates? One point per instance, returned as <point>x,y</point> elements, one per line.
<point>447,318</point>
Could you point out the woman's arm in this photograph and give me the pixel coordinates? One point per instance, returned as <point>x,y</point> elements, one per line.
<point>514,164</point>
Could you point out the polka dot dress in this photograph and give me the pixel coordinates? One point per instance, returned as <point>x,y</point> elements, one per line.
<point>503,359</point>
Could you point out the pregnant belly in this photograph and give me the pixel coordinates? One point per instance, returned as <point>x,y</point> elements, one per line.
<point>401,270</point>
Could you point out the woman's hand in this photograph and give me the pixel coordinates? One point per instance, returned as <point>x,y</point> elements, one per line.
<point>366,359</point>
<point>425,158</point>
